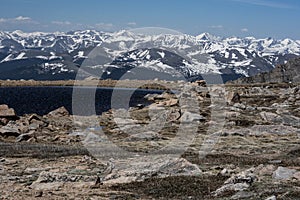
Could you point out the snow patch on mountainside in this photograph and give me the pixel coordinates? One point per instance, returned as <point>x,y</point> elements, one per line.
<point>192,55</point>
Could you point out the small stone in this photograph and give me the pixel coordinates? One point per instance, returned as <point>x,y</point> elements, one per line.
<point>34,117</point>
<point>59,112</point>
<point>165,95</point>
<point>270,117</point>
<point>140,106</point>
<point>97,183</point>
<point>274,161</point>
<point>147,136</point>
<point>23,128</point>
<point>33,126</point>
<point>266,170</point>
<point>242,195</point>
<point>171,102</point>
<point>233,97</point>
<point>240,106</point>
<point>174,115</point>
<point>236,98</point>
<point>124,121</point>
<point>191,117</point>
<point>231,187</point>
<point>150,97</point>
<point>47,186</point>
<point>39,194</point>
<point>271,198</point>
<point>4,121</point>
<point>201,83</point>
<point>232,114</point>
<point>297,176</point>
<point>24,137</point>
<point>224,172</point>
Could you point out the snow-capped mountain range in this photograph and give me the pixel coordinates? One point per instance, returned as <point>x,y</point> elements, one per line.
<point>59,55</point>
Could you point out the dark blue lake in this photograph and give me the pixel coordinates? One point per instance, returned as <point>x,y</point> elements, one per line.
<point>42,100</point>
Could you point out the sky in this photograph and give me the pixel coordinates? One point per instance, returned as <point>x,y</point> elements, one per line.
<point>224,18</point>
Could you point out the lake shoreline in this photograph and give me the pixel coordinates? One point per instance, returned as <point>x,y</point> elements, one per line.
<point>142,84</point>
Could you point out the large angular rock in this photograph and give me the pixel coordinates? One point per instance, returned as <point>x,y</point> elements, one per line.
<point>5,111</point>
<point>283,173</point>
<point>8,131</point>
<point>6,114</point>
<point>139,169</point>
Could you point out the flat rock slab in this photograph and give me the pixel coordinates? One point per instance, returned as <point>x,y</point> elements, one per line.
<point>9,131</point>
<point>139,169</point>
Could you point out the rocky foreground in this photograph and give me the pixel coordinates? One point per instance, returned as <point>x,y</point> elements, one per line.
<point>198,142</point>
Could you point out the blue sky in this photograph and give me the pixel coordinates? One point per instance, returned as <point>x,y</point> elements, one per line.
<point>258,18</point>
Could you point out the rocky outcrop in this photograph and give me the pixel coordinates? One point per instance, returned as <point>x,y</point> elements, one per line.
<point>253,154</point>
<point>286,73</point>
<point>52,127</point>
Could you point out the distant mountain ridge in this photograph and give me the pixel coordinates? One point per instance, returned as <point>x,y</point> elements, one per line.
<point>58,56</point>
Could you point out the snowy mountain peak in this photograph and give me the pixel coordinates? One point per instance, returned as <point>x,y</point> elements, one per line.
<point>61,54</point>
<point>206,37</point>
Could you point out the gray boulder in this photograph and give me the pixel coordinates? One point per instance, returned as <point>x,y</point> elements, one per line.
<point>283,173</point>
<point>139,169</point>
